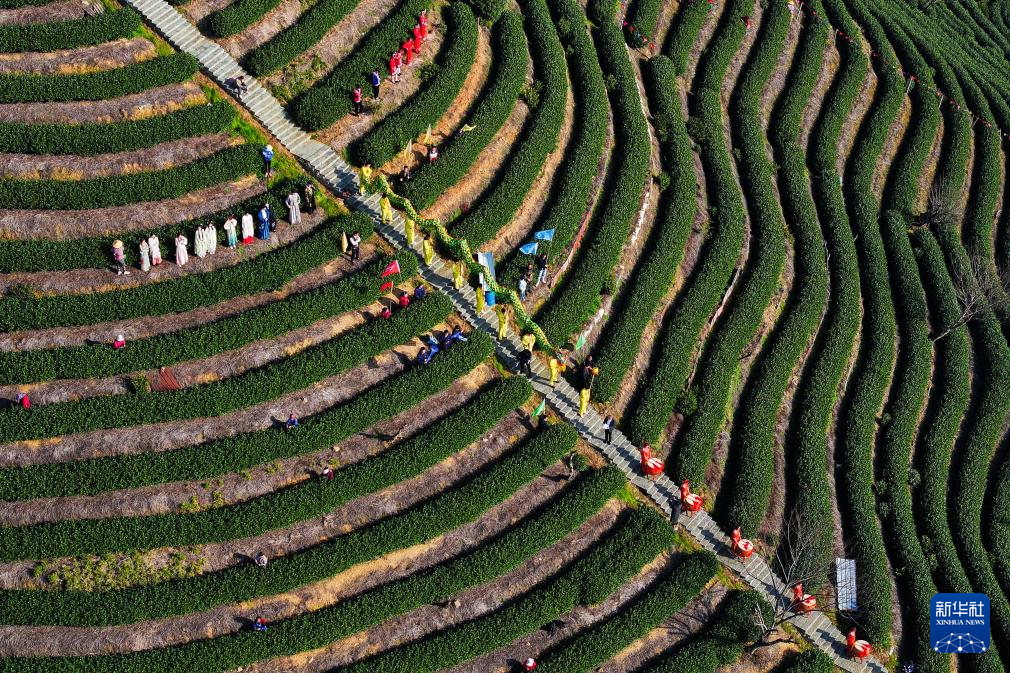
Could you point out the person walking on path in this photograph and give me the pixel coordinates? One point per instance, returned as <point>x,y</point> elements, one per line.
<point>263,227</point>
<point>556,365</point>
<point>541,267</point>
<point>417,37</point>
<point>522,288</point>
<point>529,341</point>
<point>394,64</point>
<point>229,231</point>
<point>457,275</point>
<point>423,22</point>
<point>294,204</point>
<point>608,428</point>
<point>211,238</point>
<point>145,255</point>
<point>503,320</point>
<point>356,99</point>
<point>355,242</point>
<point>376,81</point>
<point>119,256</point>
<point>268,160</point>
<point>310,198</point>
<point>386,208</point>
<point>428,249</point>
<point>181,253</point>
<point>589,374</point>
<point>155,244</point>
<point>408,51</point>
<point>408,228</point>
<point>524,359</point>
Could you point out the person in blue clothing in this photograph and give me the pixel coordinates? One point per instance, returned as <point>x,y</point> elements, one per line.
<point>264,216</point>
<point>268,160</point>
<point>423,356</point>
<point>292,422</point>
<point>420,292</point>
<point>376,81</point>
<point>457,335</point>
<point>260,625</point>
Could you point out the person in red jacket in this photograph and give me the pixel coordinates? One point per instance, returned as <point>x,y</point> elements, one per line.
<point>530,664</point>
<point>404,300</point>
<point>394,66</point>
<point>408,50</point>
<point>356,99</point>
<point>417,38</point>
<point>423,22</point>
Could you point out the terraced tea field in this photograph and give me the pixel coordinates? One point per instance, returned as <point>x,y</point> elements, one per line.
<point>303,372</point>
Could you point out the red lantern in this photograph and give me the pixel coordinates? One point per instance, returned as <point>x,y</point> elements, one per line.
<point>689,502</point>
<point>803,602</point>
<point>651,467</point>
<point>858,649</point>
<point>741,547</point>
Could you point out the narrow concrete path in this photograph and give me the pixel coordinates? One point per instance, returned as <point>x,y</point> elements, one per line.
<point>338,175</point>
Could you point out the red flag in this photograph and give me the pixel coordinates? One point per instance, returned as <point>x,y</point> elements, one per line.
<point>388,285</point>
<point>391,268</point>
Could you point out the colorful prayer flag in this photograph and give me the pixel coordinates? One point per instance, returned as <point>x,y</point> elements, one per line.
<point>540,408</point>
<point>391,268</point>
<point>529,248</point>
<point>388,285</point>
<point>545,235</point>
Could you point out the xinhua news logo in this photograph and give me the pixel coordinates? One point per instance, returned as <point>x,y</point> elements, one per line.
<point>959,623</point>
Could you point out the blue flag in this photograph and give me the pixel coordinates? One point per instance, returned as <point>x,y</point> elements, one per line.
<point>529,248</point>
<point>545,235</point>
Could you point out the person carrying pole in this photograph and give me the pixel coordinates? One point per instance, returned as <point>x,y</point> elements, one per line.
<point>589,374</point>
<point>428,249</point>
<point>386,208</point>
<point>457,275</point>
<point>408,228</point>
<point>503,320</point>
<point>556,364</point>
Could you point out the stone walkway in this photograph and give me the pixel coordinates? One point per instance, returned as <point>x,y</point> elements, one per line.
<point>338,175</point>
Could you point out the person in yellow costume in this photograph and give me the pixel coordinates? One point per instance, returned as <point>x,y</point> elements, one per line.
<point>428,249</point>
<point>503,320</point>
<point>408,226</point>
<point>557,365</point>
<point>457,275</point>
<point>529,341</point>
<point>386,209</point>
<point>480,300</point>
<point>366,177</point>
<point>583,401</point>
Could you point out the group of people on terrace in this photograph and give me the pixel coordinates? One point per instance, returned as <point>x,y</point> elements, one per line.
<point>206,238</point>
<point>404,56</point>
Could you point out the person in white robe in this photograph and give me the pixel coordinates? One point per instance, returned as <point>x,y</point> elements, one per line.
<point>181,254</point>
<point>200,242</point>
<point>211,239</point>
<point>155,244</point>
<point>145,256</point>
<point>247,229</point>
<point>229,229</point>
<point>294,204</point>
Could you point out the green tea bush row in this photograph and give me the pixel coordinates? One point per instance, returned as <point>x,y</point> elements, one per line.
<point>432,518</point>
<point>723,640</point>
<point>587,581</point>
<point>592,647</point>
<point>33,255</point>
<point>573,180</point>
<point>672,359</point>
<point>684,33</point>
<point>268,271</point>
<point>302,502</point>
<point>223,396</point>
<point>312,25</point>
<point>488,9</point>
<point>163,350</point>
<point>809,661</point>
<point>642,17</point>
<point>754,440</point>
<point>864,397</point>
<point>807,454</point>
<point>500,96</point>
<point>388,138</point>
<point>90,139</point>
<point>241,14</point>
<point>578,296</point>
<point>766,258</point>
<point>229,164</point>
<point>245,450</point>
<point>618,344</point>
<point>71,33</point>
<point>330,99</point>
<point>498,205</point>
<point>133,78</point>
